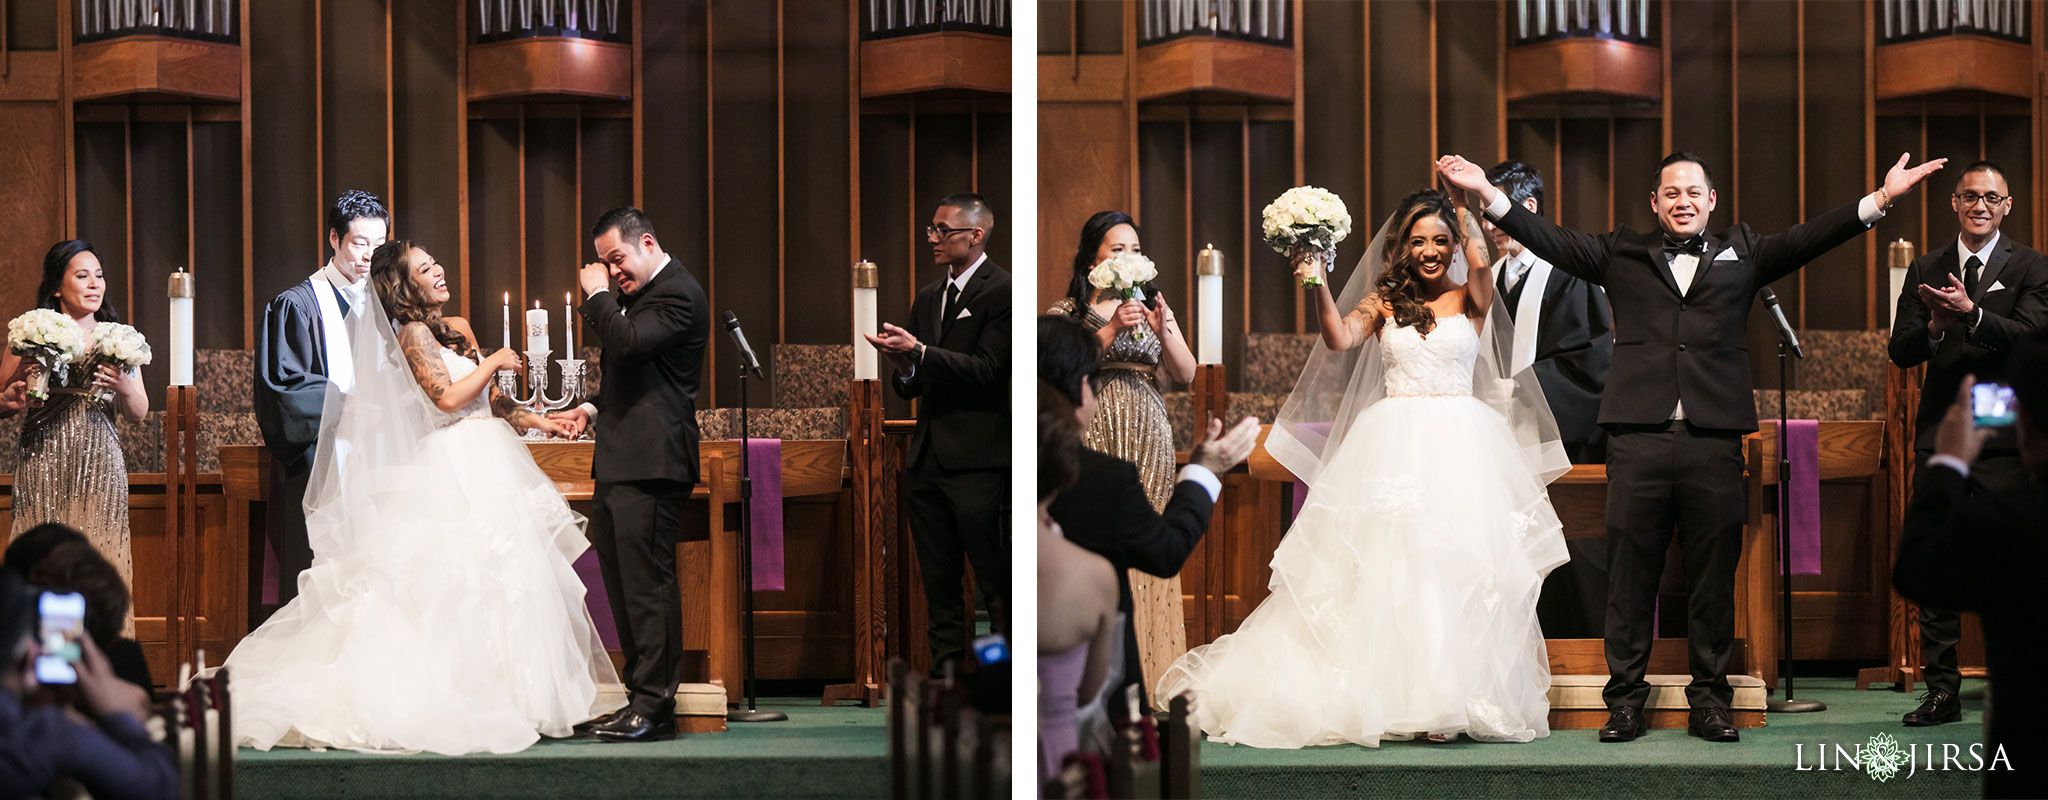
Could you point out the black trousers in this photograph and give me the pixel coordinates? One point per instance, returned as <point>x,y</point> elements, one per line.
<point>634,526</point>
<point>1661,479</point>
<point>284,523</point>
<point>958,518</point>
<point>1942,629</point>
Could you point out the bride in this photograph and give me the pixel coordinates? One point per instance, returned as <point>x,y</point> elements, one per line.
<point>1404,596</point>
<point>441,612</point>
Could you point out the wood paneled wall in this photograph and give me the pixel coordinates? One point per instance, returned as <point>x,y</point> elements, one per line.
<point>1777,97</point>
<point>746,142</point>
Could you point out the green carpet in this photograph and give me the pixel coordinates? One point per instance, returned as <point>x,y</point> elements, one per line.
<point>1665,763</point>
<point>819,752</point>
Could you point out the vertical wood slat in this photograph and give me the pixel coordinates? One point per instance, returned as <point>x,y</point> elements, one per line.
<point>1133,193</point>
<point>1872,268</point>
<point>574,231</point>
<point>1300,156</point>
<point>1734,112</point>
<point>249,190</point>
<point>710,197</point>
<point>910,208</point>
<point>1923,195</point>
<point>390,132</point>
<point>639,91</point>
<point>1500,83</point>
<point>128,210</point>
<point>781,188</point>
<point>1611,177</point>
<point>519,318</point>
<point>191,220</point>
<point>1434,89</point>
<point>1664,25</point>
<point>853,255</point>
<point>1244,138</point>
<point>1799,93</point>
<point>1365,130</point>
<point>462,146</point>
<point>71,119</point>
<point>319,122</point>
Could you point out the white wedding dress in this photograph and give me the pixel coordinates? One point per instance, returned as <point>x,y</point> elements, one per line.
<point>1404,596</point>
<point>441,612</point>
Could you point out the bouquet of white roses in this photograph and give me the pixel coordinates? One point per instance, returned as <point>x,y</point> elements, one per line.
<point>119,346</point>
<point>1124,273</point>
<point>1311,219</point>
<point>49,338</point>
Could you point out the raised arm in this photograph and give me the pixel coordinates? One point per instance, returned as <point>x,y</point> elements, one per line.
<point>1478,268</point>
<point>1580,255</point>
<point>423,354</point>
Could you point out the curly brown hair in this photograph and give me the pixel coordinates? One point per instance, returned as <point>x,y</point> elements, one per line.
<point>391,268</point>
<point>1400,284</point>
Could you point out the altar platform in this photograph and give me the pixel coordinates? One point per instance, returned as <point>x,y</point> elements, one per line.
<point>822,751</point>
<point>1664,763</point>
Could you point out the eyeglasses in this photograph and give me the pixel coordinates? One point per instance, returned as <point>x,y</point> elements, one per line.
<point>940,232</point>
<point>1969,199</point>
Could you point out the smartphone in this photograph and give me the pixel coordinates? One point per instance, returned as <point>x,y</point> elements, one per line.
<point>59,632</point>
<point>991,650</point>
<point>1993,405</point>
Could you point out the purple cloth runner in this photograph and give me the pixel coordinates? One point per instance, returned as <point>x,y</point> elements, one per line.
<point>1321,429</point>
<point>595,599</point>
<point>1802,443</point>
<point>269,573</point>
<point>764,463</point>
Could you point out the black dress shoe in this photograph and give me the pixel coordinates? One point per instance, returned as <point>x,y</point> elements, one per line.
<point>1624,724</point>
<point>1938,706</point>
<point>632,726</point>
<point>1713,724</point>
<point>585,727</point>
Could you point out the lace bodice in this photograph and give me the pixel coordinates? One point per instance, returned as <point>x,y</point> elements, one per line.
<point>459,368</point>
<point>1439,364</point>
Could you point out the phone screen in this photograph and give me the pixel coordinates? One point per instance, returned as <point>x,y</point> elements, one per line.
<point>991,650</point>
<point>61,628</point>
<point>1993,405</point>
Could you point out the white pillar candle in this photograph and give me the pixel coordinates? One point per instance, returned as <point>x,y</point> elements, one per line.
<point>1901,258</point>
<point>1209,296</point>
<point>536,328</point>
<point>568,327</point>
<point>867,360</point>
<point>181,328</point>
<point>506,326</point>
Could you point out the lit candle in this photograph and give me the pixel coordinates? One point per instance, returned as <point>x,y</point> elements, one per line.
<point>866,359</point>
<point>1209,296</point>
<point>536,329</point>
<point>506,327</point>
<point>181,328</point>
<point>568,327</point>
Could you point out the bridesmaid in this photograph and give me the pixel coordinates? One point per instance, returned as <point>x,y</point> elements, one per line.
<point>71,470</point>
<point>1131,423</point>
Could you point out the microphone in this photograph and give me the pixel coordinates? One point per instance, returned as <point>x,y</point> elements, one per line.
<point>1770,299</point>
<point>739,340</point>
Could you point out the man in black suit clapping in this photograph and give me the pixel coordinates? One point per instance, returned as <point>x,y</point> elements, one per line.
<point>1987,551</point>
<point>1964,306</point>
<point>953,356</point>
<point>1680,403</point>
<point>653,331</point>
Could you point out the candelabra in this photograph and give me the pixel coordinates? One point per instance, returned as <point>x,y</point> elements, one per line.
<point>537,382</point>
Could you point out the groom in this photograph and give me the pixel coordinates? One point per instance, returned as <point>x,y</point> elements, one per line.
<point>653,332</point>
<point>304,346</point>
<point>1679,404</point>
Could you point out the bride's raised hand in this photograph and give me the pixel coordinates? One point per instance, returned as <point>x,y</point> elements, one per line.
<point>505,358</point>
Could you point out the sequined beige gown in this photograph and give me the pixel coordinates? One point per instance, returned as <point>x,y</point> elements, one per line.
<point>72,472</point>
<point>1130,423</point>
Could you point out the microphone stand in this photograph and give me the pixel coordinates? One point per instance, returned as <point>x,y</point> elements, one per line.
<point>750,713</point>
<point>1788,704</point>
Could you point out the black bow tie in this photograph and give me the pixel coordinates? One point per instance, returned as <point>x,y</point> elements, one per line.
<point>1696,245</point>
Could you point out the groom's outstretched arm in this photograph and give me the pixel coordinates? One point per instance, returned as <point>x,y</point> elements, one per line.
<point>1581,255</point>
<point>663,325</point>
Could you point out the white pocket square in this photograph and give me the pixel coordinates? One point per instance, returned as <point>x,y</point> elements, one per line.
<point>1727,255</point>
<point>964,313</point>
<point>1995,286</point>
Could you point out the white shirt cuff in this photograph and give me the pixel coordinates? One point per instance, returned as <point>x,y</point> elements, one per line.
<point>600,291</point>
<point>588,410</point>
<point>1201,475</point>
<point>1499,207</point>
<point>1946,460</point>
<point>1869,210</point>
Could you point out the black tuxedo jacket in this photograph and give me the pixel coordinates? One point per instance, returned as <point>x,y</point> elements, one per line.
<point>291,376</point>
<point>1989,554</point>
<point>2020,305</point>
<point>1669,346</point>
<point>1107,513</point>
<point>962,384</point>
<point>653,360</point>
<point>1574,346</point>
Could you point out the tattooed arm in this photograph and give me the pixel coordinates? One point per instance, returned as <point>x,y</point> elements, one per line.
<point>519,416</point>
<point>423,354</point>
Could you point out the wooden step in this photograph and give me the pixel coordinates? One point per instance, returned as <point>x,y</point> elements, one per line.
<point>1575,702</point>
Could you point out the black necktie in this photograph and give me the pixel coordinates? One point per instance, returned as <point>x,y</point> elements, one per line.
<point>947,313</point>
<point>1971,269</point>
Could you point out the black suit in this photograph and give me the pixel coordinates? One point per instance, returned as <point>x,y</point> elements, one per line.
<point>1574,343</point>
<point>2019,305</point>
<point>958,485</point>
<point>1660,473</point>
<point>1107,513</point>
<point>290,390</point>
<point>645,461</point>
<point>1988,553</point>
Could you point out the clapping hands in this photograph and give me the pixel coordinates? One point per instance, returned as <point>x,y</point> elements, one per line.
<point>1219,451</point>
<point>1945,304</point>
